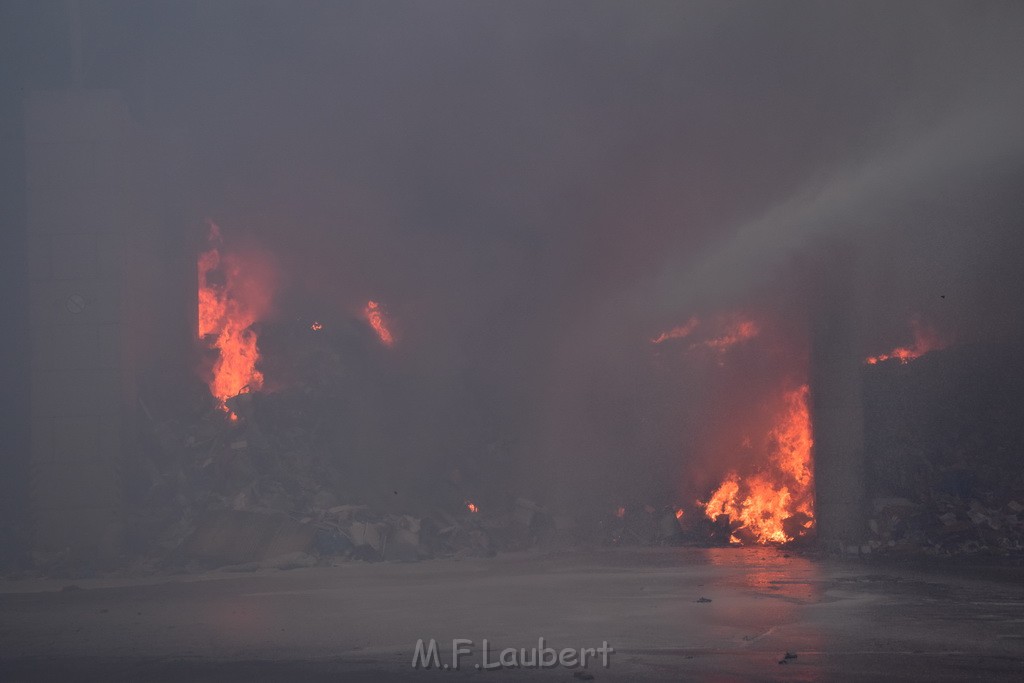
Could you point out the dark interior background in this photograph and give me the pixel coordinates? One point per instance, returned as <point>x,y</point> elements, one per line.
<point>536,189</point>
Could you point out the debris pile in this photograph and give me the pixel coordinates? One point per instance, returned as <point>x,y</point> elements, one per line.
<point>943,444</point>
<point>264,485</point>
<point>307,470</point>
<point>299,467</point>
<point>949,525</point>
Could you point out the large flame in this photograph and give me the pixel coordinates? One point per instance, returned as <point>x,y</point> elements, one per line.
<point>776,504</point>
<point>925,340</point>
<point>375,317</point>
<point>233,293</point>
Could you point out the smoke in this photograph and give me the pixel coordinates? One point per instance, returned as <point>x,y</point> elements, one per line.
<point>866,207</point>
<point>534,190</point>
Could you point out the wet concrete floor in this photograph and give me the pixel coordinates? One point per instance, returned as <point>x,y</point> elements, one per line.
<point>728,614</point>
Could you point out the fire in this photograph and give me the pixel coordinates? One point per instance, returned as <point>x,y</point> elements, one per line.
<point>679,513</point>
<point>763,502</point>
<point>472,507</point>
<point>316,326</point>
<point>679,332</point>
<point>212,303</point>
<point>737,332</point>
<point>791,439</point>
<point>232,296</point>
<point>925,340</point>
<point>375,317</point>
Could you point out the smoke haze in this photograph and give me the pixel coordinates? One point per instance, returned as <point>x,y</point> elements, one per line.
<point>534,190</point>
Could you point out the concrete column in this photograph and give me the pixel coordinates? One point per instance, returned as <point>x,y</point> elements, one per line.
<point>81,203</point>
<point>836,376</point>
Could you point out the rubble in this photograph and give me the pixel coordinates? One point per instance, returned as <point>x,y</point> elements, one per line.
<point>946,525</point>
<point>236,537</point>
<point>287,474</point>
<point>261,486</point>
<point>943,445</point>
<point>216,479</point>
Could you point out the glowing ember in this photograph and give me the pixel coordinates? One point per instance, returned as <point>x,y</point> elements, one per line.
<point>620,511</point>
<point>775,505</point>
<point>233,294</point>
<point>472,507</point>
<point>925,340</point>
<point>684,330</point>
<point>375,317</point>
<point>679,513</point>
<point>316,326</point>
<point>737,332</point>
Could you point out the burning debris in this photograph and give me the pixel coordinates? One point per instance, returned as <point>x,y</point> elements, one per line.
<point>280,486</point>
<point>284,478</point>
<point>767,496</point>
<point>774,505</point>
<point>234,293</point>
<point>925,340</point>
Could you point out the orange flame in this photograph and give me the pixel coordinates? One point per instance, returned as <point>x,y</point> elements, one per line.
<point>375,317</point>
<point>472,507</point>
<point>737,332</point>
<point>228,305</point>
<point>764,501</point>
<point>679,332</point>
<point>679,513</point>
<point>316,326</point>
<point>925,340</point>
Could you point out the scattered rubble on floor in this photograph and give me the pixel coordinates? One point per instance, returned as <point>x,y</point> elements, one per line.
<point>278,479</point>
<point>946,525</point>
<point>943,445</point>
<point>260,483</point>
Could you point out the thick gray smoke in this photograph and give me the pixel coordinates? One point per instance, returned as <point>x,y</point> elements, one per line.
<point>866,206</point>
<point>535,189</point>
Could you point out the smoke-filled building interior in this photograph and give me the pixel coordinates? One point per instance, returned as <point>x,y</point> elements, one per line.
<point>352,340</point>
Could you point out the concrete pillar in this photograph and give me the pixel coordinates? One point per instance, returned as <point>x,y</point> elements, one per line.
<point>837,410</point>
<point>81,205</point>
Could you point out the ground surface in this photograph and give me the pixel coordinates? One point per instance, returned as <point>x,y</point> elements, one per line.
<point>844,621</point>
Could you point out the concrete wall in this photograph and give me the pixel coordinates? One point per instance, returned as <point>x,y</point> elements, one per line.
<point>82,204</point>
<point>837,402</point>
